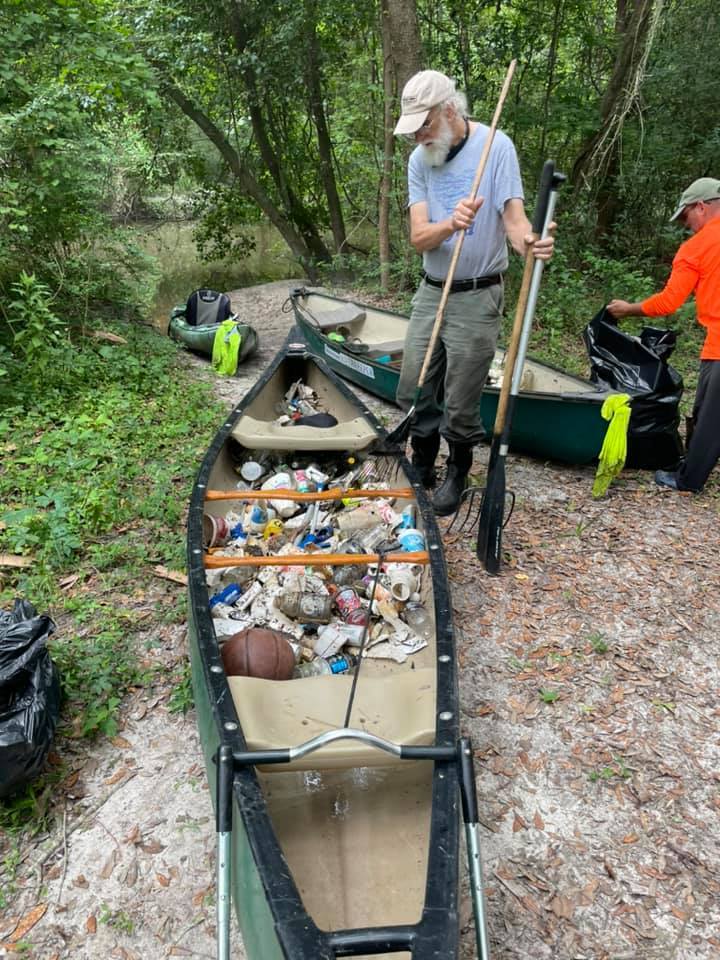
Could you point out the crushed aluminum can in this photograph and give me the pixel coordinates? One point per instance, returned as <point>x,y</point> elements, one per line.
<point>347,600</point>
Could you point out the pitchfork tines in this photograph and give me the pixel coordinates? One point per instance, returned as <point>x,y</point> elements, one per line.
<point>465,518</point>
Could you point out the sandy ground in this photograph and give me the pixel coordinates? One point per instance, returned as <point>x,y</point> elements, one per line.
<point>589,685</point>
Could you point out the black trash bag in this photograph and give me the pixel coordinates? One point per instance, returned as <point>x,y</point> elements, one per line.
<point>29,695</point>
<point>639,367</point>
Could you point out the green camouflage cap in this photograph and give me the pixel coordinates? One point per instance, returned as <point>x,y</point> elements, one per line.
<point>703,189</point>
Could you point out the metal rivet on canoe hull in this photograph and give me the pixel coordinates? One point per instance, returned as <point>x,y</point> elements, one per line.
<point>216,669</point>
<point>446,715</point>
<point>230,726</point>
<point>444,658</point>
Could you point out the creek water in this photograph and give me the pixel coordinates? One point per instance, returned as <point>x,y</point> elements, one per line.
<point>181,269</point>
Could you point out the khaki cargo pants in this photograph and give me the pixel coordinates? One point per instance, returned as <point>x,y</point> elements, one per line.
<point>450,398</point>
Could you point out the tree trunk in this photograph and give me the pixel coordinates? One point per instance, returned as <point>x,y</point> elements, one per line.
<point>401,59</point>
<point>597,164</point>
<point>327,174</point>
<point>248,184</point>
<point>297,213</point>
<point>552,60</point>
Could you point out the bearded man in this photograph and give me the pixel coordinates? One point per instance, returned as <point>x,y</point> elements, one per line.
<point>441,170</point>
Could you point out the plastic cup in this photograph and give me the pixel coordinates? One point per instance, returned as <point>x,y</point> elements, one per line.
<point>402,583</point>
<point>216,531</point>
<point>411,540</point>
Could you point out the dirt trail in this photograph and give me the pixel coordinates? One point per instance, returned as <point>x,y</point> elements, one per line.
<point>589,684</point>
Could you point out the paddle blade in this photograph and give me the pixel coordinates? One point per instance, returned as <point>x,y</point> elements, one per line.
<point>489,542</point>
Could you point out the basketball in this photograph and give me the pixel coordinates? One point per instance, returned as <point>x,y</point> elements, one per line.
<point>259,652</point>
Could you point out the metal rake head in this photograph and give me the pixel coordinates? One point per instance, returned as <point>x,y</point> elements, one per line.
<point>467,516</point>
<point>386,467</point>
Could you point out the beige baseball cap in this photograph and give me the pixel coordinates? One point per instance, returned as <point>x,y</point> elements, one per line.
<point>421,93</point>
<point>703,189</point>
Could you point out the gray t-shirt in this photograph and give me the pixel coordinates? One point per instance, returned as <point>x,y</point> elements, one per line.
<point>484,249</point>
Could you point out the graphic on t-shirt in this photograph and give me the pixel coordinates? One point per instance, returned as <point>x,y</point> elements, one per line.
<point>448,191</point>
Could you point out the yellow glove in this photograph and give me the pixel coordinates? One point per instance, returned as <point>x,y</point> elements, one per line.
<point>616,409</point>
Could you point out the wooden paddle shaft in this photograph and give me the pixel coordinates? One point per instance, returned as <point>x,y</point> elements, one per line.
<point>512,350</point>
<point>482,163</point>
<point>540,225</point>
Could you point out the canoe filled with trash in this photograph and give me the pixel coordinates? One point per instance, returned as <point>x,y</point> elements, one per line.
<point>308,546</point>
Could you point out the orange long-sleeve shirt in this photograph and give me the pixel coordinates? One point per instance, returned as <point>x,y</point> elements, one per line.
<point>696,266</point>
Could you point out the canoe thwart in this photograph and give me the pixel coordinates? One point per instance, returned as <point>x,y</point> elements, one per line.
<point>288,754</point>
<point>319,559</point>
<point>278,716</point>
<point>336,493</point>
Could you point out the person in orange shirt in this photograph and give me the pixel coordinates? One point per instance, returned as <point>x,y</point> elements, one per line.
<point>696,268</point>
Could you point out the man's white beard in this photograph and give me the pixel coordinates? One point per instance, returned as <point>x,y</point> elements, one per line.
<point>433,154</point>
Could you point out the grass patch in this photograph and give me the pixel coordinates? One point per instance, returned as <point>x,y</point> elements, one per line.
<point>95,476</point>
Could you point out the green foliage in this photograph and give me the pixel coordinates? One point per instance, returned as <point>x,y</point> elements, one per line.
<point>181,698</point>
<point>615,771</point>
<point>118,919</point>
<point>34,327</point>
<point>67,73</point>
<point>598,642</point>
<point>364,270</point>
<point>217,235</point>
<point>94,493</point>
<point>548,696</point>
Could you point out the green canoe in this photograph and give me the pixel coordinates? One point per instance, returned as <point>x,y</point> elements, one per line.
<point>556,415</point>
<point>335,838</point>
<point>200,338</point>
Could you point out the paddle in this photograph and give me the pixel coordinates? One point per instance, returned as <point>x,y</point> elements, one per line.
<point>489,542</point>
<point>399,435</point>
<point>223,828</point>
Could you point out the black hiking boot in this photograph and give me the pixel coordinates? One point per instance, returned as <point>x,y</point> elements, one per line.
<point>447,498</point>
<point>424,452</point>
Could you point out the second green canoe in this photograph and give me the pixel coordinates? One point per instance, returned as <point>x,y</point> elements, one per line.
<point>556,416</point>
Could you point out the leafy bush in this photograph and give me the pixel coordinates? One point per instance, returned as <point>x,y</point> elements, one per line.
<point>34,328</point>
<point>93,492</point>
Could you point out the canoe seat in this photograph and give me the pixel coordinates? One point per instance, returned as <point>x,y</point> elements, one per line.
<point>390,346</point>
<point>343,316</point>
<point>399,707</point>
<point>354,434</point>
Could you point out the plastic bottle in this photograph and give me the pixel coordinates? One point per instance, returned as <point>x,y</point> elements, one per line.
<point>303,483</point>
<point>238,533</point>
<point>252,470</point>
<point>407,518</point>
<point>371,539</point>
<point>282,480</point>
<point>316,475</point>
<point>305,607</point>
<point>340,663</point>
<point>228,596</point>
<point>258,518</point>
<point>418,619</point>
<point>273,528</point>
